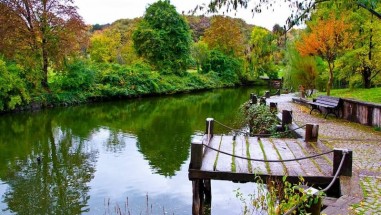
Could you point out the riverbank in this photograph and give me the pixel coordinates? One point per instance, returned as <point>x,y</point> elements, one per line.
<point>107,84</point>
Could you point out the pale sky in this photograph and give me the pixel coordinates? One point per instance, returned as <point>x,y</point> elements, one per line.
<point>108,11</point>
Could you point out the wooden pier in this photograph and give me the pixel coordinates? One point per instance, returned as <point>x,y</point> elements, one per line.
<point>252,159</point>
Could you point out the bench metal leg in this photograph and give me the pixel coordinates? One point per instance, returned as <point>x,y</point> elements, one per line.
<point>315,108</point>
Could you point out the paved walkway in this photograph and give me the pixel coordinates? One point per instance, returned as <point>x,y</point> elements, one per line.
<point>365,184</point>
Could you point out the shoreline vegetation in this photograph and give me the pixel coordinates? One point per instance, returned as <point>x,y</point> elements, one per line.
<point>87,82</point>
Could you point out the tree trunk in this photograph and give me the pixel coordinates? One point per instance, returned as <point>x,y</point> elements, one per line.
<point>330,80</point>
<point>45,65</point>
<point>366,73</point>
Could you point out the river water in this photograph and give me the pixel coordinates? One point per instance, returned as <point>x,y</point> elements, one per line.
<point>123,157</point>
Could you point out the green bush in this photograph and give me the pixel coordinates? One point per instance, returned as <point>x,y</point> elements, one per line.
<point>259,118</point>
<point>77,76</point>
<point>229,68</point>
<point>13,90</point>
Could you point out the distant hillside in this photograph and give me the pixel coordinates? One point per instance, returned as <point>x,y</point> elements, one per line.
<point>198,25</point>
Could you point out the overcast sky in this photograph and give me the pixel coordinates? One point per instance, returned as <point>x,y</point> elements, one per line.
<point>108,11</point>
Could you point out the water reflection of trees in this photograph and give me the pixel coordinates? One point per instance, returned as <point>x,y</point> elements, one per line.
<point>163,127</point>
<point>55,185</point>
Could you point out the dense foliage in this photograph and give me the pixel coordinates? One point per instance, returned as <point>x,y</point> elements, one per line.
<point>259,118</point>
<point>40,34</point>
<point>163,38</point>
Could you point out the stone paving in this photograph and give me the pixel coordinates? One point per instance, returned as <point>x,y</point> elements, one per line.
<point>362,140</point>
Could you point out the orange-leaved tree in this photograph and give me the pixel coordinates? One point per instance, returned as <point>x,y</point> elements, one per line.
<point>40,33</point>
<point>328,39</point>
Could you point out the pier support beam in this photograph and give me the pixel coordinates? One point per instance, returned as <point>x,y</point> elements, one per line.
<point>312,133</point>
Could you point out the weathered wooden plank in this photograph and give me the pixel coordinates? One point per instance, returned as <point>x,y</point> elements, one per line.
<point>324,166</point>
<point>210,155</point>
<point>256,153</point>
<point>307,165</point>
<point>240,150</point>
<point>293,168</point>
<point>271,154</point>
<point>224,162</point>
<point>244,177</point>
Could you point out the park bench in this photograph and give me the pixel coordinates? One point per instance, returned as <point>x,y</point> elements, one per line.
<point>331,104</point>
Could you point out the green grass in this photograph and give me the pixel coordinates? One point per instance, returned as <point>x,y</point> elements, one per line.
<point>367,95</point>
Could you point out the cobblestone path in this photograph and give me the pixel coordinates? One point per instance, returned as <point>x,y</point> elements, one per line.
<point>362,140</point>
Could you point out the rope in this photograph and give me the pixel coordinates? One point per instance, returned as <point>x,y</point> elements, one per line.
<point>337,172</point>
<point>268,161</point>
<point>325,189</point>
<point>263,135</point>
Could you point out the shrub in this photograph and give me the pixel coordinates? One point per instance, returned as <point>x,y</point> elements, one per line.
<point>13,90</point>
<point>77,76</point>
<point>259,118</point>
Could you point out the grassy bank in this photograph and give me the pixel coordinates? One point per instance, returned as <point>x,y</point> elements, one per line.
<point>367,95</point>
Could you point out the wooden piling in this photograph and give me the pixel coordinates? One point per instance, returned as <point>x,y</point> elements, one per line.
<point>286,117</point>
<point>346,169</point>
<point>273,107</point>
<point>253,99</point>
<point>267,94</point>
<point>197,149</point>
<point>209,126</point>
<point>197,207</point>
<point>312,133</point>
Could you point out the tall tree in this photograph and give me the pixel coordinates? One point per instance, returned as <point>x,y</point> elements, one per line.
<point>328,39</point>
<point>48,30</point>
<point>163,37</point>
<point>263,46</point>
<point>365,58</point>
<point>225,35</point>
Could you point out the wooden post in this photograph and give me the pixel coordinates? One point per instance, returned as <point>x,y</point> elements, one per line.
<point>197,208</point>
<point>253,99</point>
<point>196,154</point>
<point>346,169</point>
<point>312,133</point>
<point>273,107</point>
<point>286,117</point>
<point>314,208</point>
<point>197,185</point>
<point>209,126</point>
<point>262,101</point>
<point>267,94</point>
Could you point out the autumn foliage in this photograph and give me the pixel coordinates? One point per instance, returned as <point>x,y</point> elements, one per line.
<point>40,34</point>
<point>328,39</point>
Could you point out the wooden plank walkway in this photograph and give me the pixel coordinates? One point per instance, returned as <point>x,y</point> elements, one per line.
<point>215,164</point>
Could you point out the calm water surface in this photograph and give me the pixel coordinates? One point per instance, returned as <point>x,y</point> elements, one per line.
<point>98,157</point>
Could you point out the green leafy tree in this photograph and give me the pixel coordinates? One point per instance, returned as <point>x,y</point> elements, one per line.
<point>301,70</point>
<point>104,45</point>
<point>163,38</point>
<point>13,90</point>
<point>262,50</point>
<point>361,65</point>
<point>201,55</point>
